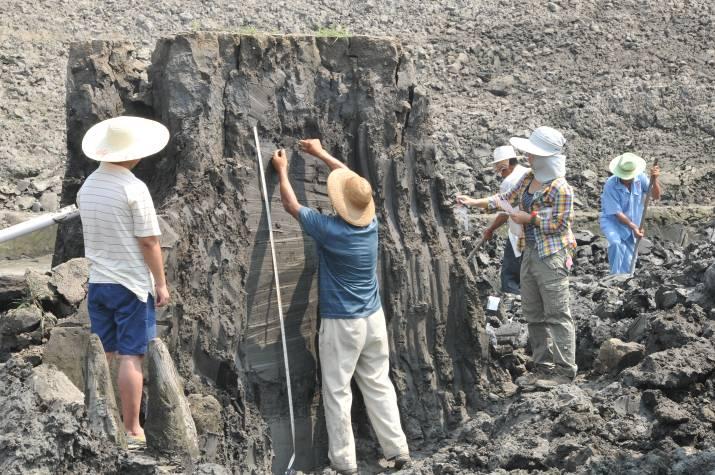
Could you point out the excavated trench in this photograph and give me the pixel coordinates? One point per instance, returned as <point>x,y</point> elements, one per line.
<point>359,97</point>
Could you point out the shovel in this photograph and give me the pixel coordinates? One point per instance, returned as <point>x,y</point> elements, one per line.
<point>646,201</point>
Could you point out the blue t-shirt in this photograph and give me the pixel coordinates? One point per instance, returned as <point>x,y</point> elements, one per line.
<point>617,198</point>
<point>347,265</point>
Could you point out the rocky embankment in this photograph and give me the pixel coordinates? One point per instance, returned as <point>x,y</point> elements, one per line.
<point>419,118</point>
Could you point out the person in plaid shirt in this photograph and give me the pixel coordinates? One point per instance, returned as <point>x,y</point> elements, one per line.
<point>546,202</point>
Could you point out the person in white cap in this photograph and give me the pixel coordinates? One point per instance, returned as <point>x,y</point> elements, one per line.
<point>507,166</point>
<point>353,335</point>
<point>622,204</point>
<point>546,202</point>
<point>121,240</point>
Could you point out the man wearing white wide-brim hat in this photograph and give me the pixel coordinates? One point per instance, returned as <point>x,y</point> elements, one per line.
<point>622,204</point>
<point>353,338</point>
<point>121,240</point>
<point>507,166</point>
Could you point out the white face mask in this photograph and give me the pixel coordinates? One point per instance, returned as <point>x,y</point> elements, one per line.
<point>548,168</point>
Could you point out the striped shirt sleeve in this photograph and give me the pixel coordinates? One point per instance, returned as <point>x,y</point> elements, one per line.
<point>142,209</point>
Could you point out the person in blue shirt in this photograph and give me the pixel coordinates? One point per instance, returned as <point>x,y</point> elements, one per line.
<point>353,335</point>
<point>622,203</point>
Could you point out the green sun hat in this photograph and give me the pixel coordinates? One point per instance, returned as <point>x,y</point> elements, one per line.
<point>627,166</point>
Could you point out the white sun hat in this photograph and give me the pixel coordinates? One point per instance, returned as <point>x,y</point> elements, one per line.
<point>543,142</point>
<point>124,138</point>
<point>627,166</point>
<point>505,152</point>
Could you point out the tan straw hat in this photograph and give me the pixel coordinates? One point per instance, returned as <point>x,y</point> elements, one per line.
<point>124,138</point>
<point>627,166</point>
<point>351,196</point>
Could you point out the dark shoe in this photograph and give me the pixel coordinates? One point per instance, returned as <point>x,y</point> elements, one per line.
<point>401,461</point>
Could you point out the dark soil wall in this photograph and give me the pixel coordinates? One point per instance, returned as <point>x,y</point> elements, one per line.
<point>358,95</point>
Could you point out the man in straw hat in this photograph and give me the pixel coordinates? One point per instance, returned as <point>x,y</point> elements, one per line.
<point>622,203</point>
<point>121,240</point>
<point>506,165</point>
<point>546,202</point>
<point>353,335</point>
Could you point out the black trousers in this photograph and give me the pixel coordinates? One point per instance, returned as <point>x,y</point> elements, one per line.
<point>510,270</point>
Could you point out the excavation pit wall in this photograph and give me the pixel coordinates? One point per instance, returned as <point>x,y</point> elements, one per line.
<point>359,96</point>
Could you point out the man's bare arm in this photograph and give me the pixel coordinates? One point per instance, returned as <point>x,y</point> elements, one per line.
<point>288,198</point>
<point>657,191</point>
<point>313,147</point>
<point>151,249</point>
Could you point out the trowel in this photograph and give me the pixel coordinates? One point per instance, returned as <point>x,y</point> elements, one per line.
<point>472,256</point>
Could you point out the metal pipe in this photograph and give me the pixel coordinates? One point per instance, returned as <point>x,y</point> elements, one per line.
<point>40,222</point>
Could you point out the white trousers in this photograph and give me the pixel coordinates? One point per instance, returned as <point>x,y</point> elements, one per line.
<point>358,347</point>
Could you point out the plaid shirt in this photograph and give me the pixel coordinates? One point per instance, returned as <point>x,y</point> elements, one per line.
<point>554,205</point>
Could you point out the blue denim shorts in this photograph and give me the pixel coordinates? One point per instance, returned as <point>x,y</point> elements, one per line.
<point>124,323</point>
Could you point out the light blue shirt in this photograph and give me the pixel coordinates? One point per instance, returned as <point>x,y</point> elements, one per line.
<point>347,278</point>
<point>617,198</point>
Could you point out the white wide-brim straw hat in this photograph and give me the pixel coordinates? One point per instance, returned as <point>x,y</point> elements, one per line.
<point>124,138</point>
<point>351,196</point>
<point>543,142</point>
<point>627,166</point>
<point>505,152</point>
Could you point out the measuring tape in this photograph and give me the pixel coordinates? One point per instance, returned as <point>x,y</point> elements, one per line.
<point>289,469</point>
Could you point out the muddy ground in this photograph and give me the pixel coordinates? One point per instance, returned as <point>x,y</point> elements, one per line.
<point>418,116</point>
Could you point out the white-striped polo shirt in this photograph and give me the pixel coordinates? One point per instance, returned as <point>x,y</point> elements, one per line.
<point>116,208</point>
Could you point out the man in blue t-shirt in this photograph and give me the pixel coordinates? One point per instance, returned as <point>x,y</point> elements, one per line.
<point>353,335</point>
<point>622,207</point>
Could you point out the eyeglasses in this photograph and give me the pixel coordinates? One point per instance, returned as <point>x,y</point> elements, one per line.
<point>500,169</point>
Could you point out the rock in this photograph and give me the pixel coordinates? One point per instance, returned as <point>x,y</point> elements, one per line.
<point>16,322</point>
<point>666,298</point>
<point>611,306</point>
<point>169,426</point>
<point>616,355</point>
<point>25,202</point>
<point>99,398</point>
<point>70,279</point>
<point>38,286</point>
<point>66,350</point>
<point>668,331</point>
<point>53,386</point>
<point>12,289</point>
<point>584,236</point>
<point>710,280</point>
<point>699,462</point>
<point>500,86</point>
<point>210,469</point>
<point>43,424</point>
<point>673,368</point>
<point>49,201</point>
<point>206,411</point>
<point>454,68</point>
<point>664,409</point>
